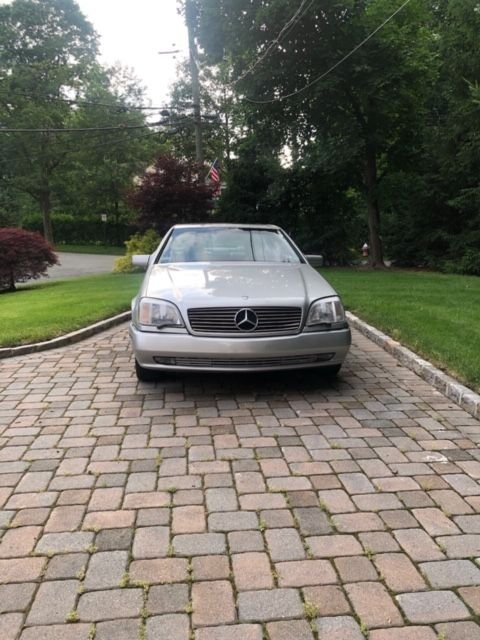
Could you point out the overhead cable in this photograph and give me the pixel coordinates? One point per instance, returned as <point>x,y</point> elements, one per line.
<point>332,68</point>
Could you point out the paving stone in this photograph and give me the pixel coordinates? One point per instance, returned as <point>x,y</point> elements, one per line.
<point>67,566</point>
<point>459,630</point>
<point>404,633</point>
<point>357,522</point>
<point>338,628</point>
<point>112,539</point>
<point>19,542</point>
<point>117,629</point>
<point>161,570</point>
<point>373,604</point>
<point>10,625</point>
<point>211,568</point>
<point>398,572</point>
<point>431,607</point>
<point>303,573</point>
<point>451,573</point>
<point>298,629</point>
<point>274,604</point>
<point>221,499</point>
<point>334,545</point>
<point>418,545</point>
<point>53,601</point>
<point>238,632</point>
<point>284,544</point>
<point>212,603</point>
<point>107,605</point>
<point>312,521</point>
<point>77,631</point>
<point>435,522</point>
<point>355,569</point>
<point>188,519</point>
<point>168,627</point>
<point>151,542</point>
<point>199,544</point>
<point>21,569</point>
<point>252,571</point>
<point>16,597</point>
<point>240,541</point>
<point>106,569</point>
<point>232,521</point>
<point>471,595</point>
<point>463,546</point>
<point>170,598</point>
<point>329,600</point>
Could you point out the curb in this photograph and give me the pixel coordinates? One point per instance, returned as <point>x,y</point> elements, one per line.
<point>69,338</point>
<point>458,393</point>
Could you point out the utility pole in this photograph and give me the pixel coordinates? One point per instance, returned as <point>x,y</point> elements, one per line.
<point>197,115</point>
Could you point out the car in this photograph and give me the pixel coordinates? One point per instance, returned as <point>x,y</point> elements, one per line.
<point>231,298</point>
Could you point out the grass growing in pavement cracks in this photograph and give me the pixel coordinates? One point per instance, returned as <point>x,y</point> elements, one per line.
<point>435,315</point>
<point>47,310</point>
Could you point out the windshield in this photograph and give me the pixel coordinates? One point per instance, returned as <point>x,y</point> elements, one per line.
<point>228,245</point>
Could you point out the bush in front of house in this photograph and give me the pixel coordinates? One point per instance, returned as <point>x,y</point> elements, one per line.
<point>24,255</point>
<point>138,244</point>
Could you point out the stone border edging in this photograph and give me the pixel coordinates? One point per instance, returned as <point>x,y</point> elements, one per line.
<point>458,393</point>
<point>69,338</point>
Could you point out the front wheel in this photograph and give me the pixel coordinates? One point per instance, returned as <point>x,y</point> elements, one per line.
<point>145,375</point>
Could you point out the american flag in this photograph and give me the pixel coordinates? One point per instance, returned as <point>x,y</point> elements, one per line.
<point>214,175</point>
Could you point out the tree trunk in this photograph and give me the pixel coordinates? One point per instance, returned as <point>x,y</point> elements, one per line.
<point>46,207</point>
<point>373,211</point>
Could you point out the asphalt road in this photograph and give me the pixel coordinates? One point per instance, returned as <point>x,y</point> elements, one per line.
<point>80,264</point>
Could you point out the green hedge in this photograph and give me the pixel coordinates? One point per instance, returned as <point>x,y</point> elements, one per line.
<point>69,229</point>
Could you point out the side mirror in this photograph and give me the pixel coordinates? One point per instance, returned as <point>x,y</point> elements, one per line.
<point>140,261</point>
<point>315,260</point>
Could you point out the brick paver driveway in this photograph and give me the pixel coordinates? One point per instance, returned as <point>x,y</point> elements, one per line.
<point>234,508</point>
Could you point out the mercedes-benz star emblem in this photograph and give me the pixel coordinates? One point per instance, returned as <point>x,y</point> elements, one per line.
<point>246,320</point>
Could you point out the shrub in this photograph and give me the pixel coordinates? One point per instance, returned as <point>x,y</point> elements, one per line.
<point>24,255</point>
<point>137,244</point>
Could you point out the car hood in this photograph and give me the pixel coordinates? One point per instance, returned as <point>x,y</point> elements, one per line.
<point>223,284</point>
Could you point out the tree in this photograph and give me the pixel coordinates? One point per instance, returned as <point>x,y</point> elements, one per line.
<point>47,48</point>
<point>24,255</point>
<point>171,192</point>
<point>368,107</point>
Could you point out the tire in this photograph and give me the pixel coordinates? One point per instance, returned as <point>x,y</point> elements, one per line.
<point>145,375</point>
<point>331,371</point>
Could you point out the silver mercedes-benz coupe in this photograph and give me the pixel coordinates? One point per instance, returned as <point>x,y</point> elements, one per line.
<point>227,297</point>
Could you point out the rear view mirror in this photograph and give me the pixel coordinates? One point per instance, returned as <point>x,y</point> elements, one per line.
<point>140,261</point>
<point>315,260</point>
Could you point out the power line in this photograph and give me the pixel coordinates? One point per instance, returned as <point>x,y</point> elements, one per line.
<point>72,101</point>
<point>291,22</point>
<point>332,68</point>
<point>83,129</point>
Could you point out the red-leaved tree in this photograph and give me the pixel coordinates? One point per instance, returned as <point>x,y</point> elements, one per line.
<point>24,255</point>
<point>171,192</point>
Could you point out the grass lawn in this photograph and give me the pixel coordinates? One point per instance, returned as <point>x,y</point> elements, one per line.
<point>47,310</point>
<point>105,250</point>
<point>436,315</point>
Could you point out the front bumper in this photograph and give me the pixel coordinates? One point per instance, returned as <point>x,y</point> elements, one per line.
<point>185,352</point>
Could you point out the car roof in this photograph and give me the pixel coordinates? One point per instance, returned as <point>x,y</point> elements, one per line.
<point>223,225</point>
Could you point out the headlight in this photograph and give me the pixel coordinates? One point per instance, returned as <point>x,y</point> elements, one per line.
<point>326,311</point>
<point>158,313</point>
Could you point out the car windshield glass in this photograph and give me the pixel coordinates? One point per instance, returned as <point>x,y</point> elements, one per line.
<point>228,245</point>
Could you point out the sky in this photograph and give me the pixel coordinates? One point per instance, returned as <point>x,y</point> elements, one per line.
<point>132,32</point>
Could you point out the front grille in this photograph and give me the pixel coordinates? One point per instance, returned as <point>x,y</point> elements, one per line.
<point>239,363</point>
<point>271,320</point>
